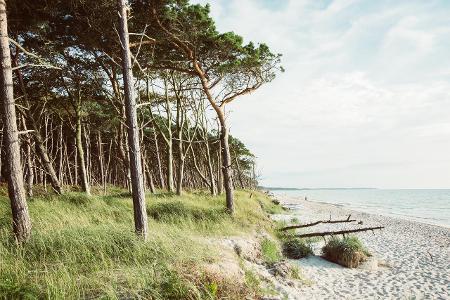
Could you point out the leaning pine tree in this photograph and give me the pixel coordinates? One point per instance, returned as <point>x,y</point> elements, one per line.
<point>225,67</point>
<point>16,190</point>
<point>140,213</point>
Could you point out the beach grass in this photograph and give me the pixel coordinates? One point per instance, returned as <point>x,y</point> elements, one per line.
<point>348,251</point>
<point>296,248</point>
<point>270,251</point>
<point>85,247</point>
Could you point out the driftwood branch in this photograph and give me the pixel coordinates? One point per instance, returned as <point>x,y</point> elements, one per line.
<point>343,232</point>
<point>348,220</point>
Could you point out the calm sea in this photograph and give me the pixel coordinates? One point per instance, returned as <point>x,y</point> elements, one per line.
<point>427,205</point>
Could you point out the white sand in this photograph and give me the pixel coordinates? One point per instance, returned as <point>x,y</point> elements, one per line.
<point>418,256</point>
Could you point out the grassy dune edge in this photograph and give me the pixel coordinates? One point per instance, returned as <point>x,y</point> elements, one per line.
<point>85,247</point>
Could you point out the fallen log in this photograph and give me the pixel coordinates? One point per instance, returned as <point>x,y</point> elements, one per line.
<point>317,223</point>
<point>343,232</point>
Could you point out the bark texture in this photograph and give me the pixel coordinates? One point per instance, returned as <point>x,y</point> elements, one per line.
<point>16,191</point>
<point>80,150</point>
<point>226,167</point>
<point>140,213</point>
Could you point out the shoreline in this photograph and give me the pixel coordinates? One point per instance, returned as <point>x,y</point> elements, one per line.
<point>394,216</point>
<point>351,208</point>
<point>413,257</point>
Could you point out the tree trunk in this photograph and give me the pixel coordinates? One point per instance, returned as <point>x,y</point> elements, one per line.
<point>180,176</point>
<point>76,162</point>
<point>16,191</point>
<point>30,171</point>
<point>170,184</point>
<point>151,184</point>
<point>84,176</point>
<point>180,123</point>
<point>38,140</point>
<point>100,158</point>
<point>2,157</point>
<point>212,186</point>
<point>239,172</point>
<point>219,170</point>
<point>140,213</point>
<point>42,152</point>
<point>158,159</point>
<point>61,154</point>
<point>226,167</point>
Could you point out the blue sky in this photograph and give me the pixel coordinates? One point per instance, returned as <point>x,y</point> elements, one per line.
<point>364,101</point>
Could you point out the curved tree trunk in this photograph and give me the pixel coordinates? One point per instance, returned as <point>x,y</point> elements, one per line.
<point>16,191</point>
<point>45,159</point>
<point>140,212</point>
<point>41,149</point>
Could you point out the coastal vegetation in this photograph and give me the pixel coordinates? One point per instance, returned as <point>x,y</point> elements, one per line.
<point>296,248</point>
<point>347,251</point>
<point>124,94</point>
<point>114,114</point>
<point>83,246</point>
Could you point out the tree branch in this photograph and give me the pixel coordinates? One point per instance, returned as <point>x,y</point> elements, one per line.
<point>317,223</point>
<point>343,232</point>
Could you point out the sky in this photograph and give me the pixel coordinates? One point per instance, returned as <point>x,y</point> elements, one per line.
<point>364,101</point>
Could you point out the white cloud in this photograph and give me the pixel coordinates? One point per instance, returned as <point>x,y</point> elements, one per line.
<point>365,98</point>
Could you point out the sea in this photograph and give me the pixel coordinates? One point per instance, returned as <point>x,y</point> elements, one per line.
<point>430,206</point>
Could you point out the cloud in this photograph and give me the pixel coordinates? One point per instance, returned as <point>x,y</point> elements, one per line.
<point>367,85</point>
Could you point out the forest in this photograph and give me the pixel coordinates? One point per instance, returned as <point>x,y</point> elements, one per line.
<point>106,94</point>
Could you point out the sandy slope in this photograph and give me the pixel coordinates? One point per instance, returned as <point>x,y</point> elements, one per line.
<point>417,255</point>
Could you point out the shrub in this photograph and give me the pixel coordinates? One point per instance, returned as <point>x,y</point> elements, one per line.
<point>348,251</point>
<point>270,251</point>
<point>296,248</point>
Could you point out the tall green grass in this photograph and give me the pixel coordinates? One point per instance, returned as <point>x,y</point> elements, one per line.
<point>348,251</point>
<point>85,247</point>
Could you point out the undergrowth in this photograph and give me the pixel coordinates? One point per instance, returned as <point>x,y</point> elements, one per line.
<point>347,251</point>
<point>270,251</point>
<point>85,247</point>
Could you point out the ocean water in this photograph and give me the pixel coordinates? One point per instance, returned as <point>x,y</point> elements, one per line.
<point>425,205</point>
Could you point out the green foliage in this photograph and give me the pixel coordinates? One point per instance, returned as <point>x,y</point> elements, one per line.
<point>252,280</point>
<point>224,56</point>
<point>295,220</point>
<point>272,208</point>
<point>85,247</point>
<point>270,251</point>
<point>177,211</point>
<point>212,289</point>
<point>348,251</point>
<point>296,248</point>
<point>296,273</point>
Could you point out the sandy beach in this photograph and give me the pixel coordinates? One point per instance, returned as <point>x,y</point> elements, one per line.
<point>413,258</point>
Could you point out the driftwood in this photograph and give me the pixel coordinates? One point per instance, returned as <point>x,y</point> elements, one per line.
<point>343,232</point>
<point>317,223</point>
